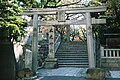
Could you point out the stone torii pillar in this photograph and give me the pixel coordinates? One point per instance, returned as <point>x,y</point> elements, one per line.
<point>51,54</point>
<point>91,55</point>
<point>35,43</point>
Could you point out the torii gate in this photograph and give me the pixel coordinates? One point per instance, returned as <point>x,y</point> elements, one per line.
<point>61,21</point>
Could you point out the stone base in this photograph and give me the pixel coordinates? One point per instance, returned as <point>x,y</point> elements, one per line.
<point>51,63</point>
<point>25,73</point>
<point>110,63</point>
<point>95,74</point>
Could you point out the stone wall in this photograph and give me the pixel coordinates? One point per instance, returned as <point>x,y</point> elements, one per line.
<point>43,51</point>
<point>111,63</point>
<point>19,55</point>
<point>23,55</point>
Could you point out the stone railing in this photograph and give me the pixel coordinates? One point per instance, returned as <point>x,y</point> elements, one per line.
<point>110,58</point>
<point>110,53</point>
<point>57,43</point>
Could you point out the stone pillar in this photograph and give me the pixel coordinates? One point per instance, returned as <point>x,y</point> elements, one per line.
<point>61,15</point>
<point>51,61</point>
<point>28,59</point>
<point>51,43</point>
<point>35,43</point>
<point>68,32</point>
<point>39,34</point>
<point>95,74</point>
<point>91,55</point>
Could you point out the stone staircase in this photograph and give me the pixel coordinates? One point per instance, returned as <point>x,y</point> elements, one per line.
<point>72,54</point>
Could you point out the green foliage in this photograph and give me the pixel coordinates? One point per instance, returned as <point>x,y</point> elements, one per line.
<point>9,8</point>
<point>9,20</point>
<point>36,4</point>
<point>94,3</point>
<point>112,16</point>
<point>26,3</point>
<point>113,10</point>
<point>48,3</point>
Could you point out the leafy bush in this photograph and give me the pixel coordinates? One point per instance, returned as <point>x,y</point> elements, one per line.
<point>10,21</point>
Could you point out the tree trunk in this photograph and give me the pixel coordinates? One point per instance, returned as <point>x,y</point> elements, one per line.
<point>7,60</point>
<point>7,57</point>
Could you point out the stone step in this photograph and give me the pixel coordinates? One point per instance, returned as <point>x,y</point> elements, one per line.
<point>82,58</point>
<point>60,53</point>
<point>68,55</point>
<point>72,57</point>
<point>72,50</point>
<point>73,65</point>
<point>74,43</point>
<point>77,48</point>
<point>78,66</point>
<point>74,46</point>
<point>71,54</point>
<point>71,47</point>
<point>73,61</point>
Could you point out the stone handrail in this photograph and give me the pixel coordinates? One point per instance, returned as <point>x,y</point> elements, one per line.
<point>57,43</point>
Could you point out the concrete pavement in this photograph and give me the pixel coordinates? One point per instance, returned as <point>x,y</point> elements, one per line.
<point>62,74</point>
<point>77,72</point>
<point>63,78</point>
<point>60,78</point>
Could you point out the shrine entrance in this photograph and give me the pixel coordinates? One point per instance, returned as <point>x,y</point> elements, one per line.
<point>60,14</point>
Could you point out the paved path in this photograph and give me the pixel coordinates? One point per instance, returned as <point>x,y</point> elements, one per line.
<point>64,78</point>
<point>63,74</point>
<point>60,78</point>
<point>78,72</point>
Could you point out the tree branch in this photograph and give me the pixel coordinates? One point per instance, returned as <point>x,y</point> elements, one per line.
<point>64,5</point>
<point>69,4</point>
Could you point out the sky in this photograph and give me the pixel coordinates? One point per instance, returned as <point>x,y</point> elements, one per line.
<point>85,1</point>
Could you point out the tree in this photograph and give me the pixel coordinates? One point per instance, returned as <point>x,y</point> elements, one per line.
<point>113,12</point>
<point>11,29</point>
<point>37,4</point>
<point>9,20</point>
<point>112,15</point>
